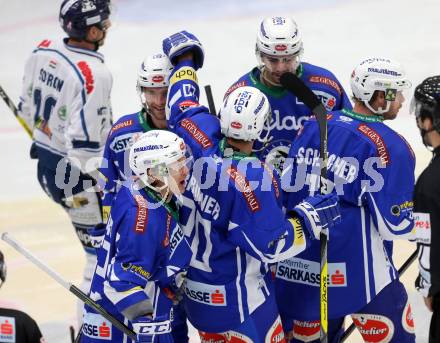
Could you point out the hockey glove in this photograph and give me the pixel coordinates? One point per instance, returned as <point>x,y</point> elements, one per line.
<point>153,330</point>
<point>319,213</point>
<point>181,42</point>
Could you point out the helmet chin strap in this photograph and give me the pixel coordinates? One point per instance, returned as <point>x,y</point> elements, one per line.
<point>379,110</point>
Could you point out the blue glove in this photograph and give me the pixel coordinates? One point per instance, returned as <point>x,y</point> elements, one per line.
<point>319,213</point>
<point>156,330</point>
<point>181,42</point>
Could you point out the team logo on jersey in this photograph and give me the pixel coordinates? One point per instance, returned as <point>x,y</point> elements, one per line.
<point>87,73</point>
<point>7,329</point>
<point>242,185</point>
<point>96,326</point>
<point>234,87</point>
<point>373,136</point>
<point>374,328</point>
<point>326,81</point>
<point>141,214</point>
<point>407,319</point>
<point>275,154</point>
<point>199,136</point>
<point>213,295</point>
<point>307,272</point>
<point>306,331</point>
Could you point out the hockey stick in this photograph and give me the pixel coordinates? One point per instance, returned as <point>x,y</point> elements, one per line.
<point>67,285</point>
<point>14,110</point>
<point>401,270</point>
<point>210,99</point>
<point>295,85</point>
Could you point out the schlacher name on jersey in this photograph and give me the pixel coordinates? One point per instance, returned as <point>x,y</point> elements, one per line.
<point>308,272</point>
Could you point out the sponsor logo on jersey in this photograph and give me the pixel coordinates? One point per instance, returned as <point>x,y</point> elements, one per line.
<point>141,215</point>
<point>213,295</point>
<point>234,87</point>
<point>125,123</point>
<point>345,119</point>
<point>88,76</point>
<point>62,113</point>
<point>382,150</point>
<point>408,319</point>
<point>274,181</point>
<point>242,185</point>
<point>374,328</point>
<point>307,272</point>
<point>176,238</point>
<point>138,270</point>
<point>275,334</point>
<point>96,326</point>
<point>157,78</point>
<point>328,100</point>
<point>44,43</point>
<point>7,329</point>
<point>166,240</point>
<point>288,123</point>
<point>184,105</point>
<point>306,331</point>
<point>406,206</point>
<point>122,143</point>
<point>326,81</point>
<point>198,135</point>
<point>184,73</point>
<point>384,71</point>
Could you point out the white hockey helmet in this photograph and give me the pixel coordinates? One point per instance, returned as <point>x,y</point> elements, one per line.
<point>157,151</point>
<point>154,72</point>
<point>378,74</point>
<point>244,114</point>
<point>278,36</point>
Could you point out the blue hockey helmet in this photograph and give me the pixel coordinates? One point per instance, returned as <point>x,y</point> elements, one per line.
<point>77,15</point>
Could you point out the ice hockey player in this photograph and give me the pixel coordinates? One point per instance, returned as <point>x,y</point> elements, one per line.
<point>279,49</point>
<point>239,226</point>
<point>152,87</point>
<point>15,325</point>
<point>144,248</point>
<point>372,169</point>
<point>66,101</point>
<point>426,106</point>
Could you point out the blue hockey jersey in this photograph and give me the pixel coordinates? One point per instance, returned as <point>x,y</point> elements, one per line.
<point>142,249</point>
<point>115,167</point>
<point>372,169</point>
<point>289,113</point>
<point>235,215</point>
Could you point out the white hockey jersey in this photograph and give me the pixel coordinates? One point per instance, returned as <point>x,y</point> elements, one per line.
<point>66,102</point>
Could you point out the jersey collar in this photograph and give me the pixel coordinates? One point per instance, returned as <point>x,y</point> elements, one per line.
<point>170,206</point>
<point>88,52</point>
<point>228,151</point>
<point>362,117</point>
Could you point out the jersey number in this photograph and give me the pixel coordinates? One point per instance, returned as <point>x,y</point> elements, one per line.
<point>41,122</point>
